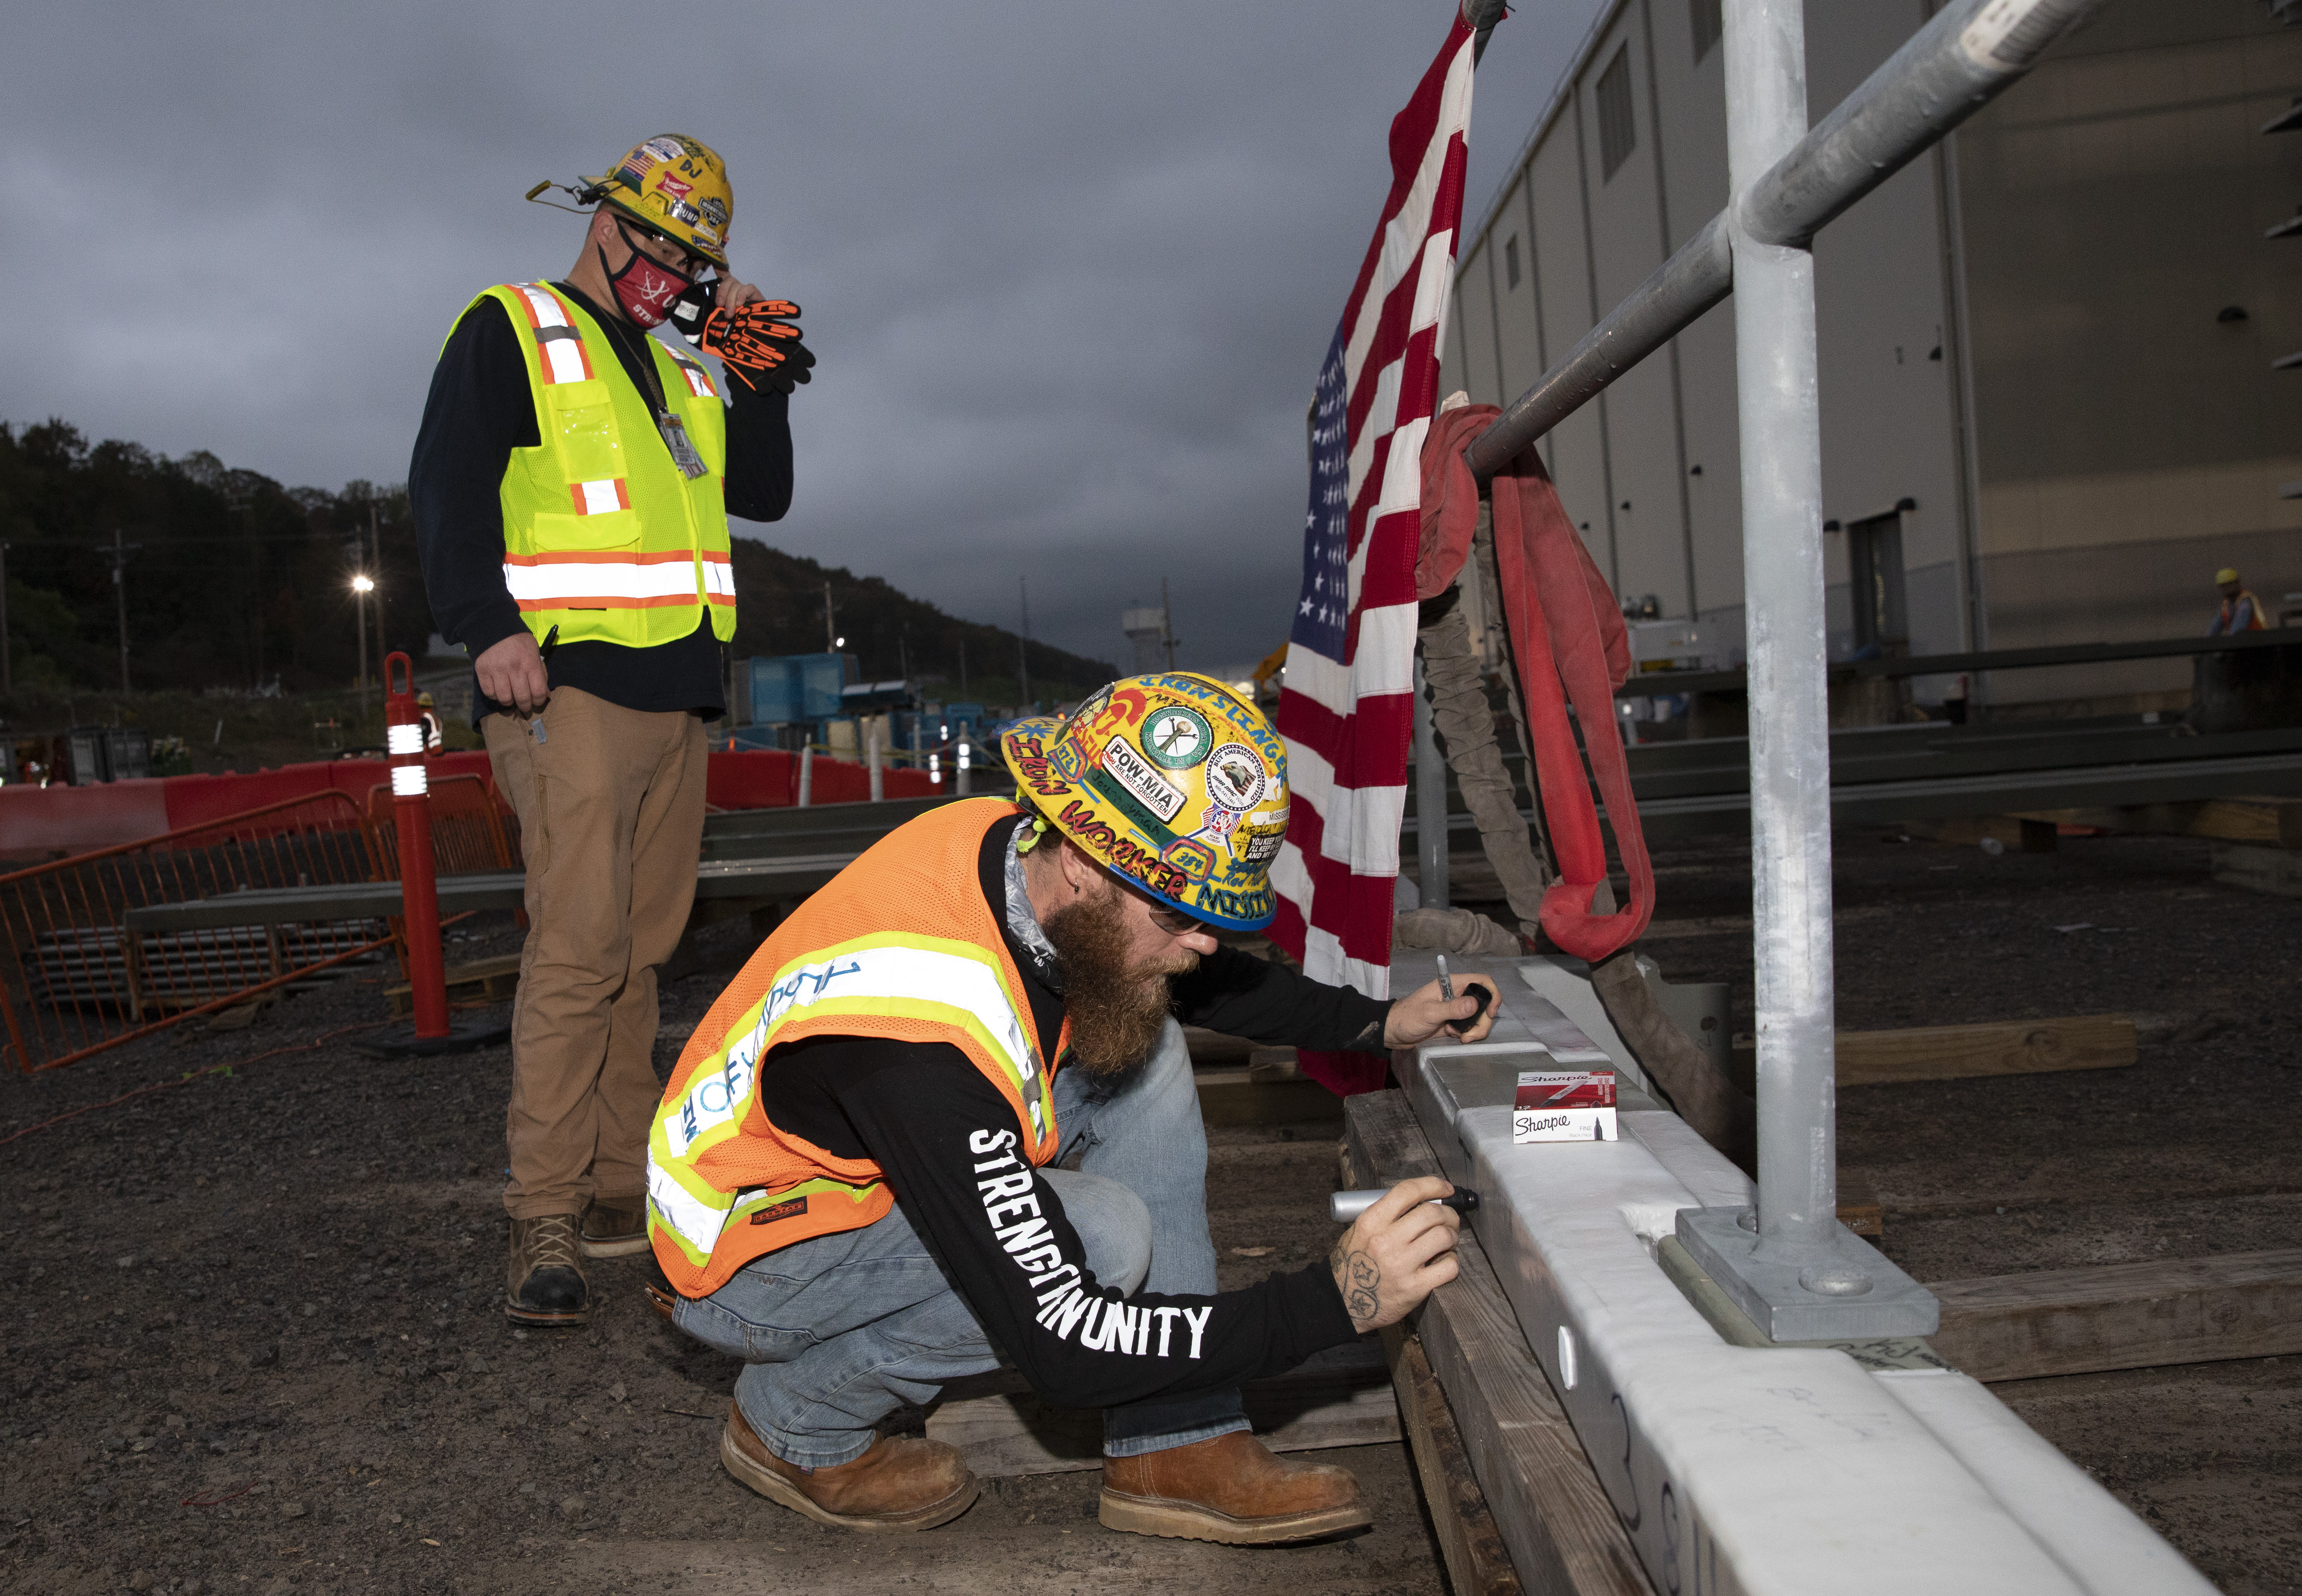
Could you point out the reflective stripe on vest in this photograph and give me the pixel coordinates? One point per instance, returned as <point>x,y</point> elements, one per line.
<point>597,582</point>
<point>604,539</point>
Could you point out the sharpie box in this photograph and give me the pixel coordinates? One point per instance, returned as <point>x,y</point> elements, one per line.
<point>1563,1105</point>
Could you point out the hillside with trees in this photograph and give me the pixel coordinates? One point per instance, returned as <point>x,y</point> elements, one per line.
<point>233,581</point>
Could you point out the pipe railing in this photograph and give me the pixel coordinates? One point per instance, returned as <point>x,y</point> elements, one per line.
<point>1789,1263</point>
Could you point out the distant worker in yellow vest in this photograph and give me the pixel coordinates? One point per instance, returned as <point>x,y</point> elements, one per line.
<point>571,487</point>
<point>859,1179</point>
<point>2240,610</point>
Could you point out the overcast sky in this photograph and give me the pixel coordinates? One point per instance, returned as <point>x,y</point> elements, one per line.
<point>1069,270</point>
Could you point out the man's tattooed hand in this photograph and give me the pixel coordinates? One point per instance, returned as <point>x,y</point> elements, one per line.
<point>1360,1280</point>
<point>1387,1262</point>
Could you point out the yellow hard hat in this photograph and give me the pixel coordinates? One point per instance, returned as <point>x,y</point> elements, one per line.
<point>423,700</point>
<point>1169,780</point>
<point>2227,574</point>
<point>676,185</point>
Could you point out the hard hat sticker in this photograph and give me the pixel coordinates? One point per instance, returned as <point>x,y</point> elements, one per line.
<point>1191,856</point>
<point>1156,793</point>
<point>1176,737</point>
<point>1258,844</point>
<point>1235,776</point>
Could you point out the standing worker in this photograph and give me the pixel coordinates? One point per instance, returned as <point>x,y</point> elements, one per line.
<point>2240,610</point>
<point>855,1179</point>
<point>571,487</point>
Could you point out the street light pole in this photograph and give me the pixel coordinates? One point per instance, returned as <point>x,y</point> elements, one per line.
<point>120,553</point>
<point>8,681</point>
<point>363,584</point>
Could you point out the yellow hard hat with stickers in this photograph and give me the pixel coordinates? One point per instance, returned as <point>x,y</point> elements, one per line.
<point>1171,780</point>
<point>676,185</point>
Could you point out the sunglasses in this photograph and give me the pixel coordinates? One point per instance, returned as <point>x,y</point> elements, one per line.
<point>1165,916</point>
<point>691,263</point>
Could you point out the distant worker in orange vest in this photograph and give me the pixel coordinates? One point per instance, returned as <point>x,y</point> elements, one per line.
<point>571,487</point>
<point>2240,610</point>
<point>859,1177</point>
<point>433,732</point>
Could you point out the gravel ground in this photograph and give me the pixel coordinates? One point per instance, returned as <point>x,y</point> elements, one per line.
<point>254,1343</point>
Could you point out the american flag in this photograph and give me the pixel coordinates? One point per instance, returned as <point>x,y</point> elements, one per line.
<point>1345,707</point>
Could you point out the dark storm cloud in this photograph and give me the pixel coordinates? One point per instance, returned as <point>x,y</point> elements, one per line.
<point>1070,270</point>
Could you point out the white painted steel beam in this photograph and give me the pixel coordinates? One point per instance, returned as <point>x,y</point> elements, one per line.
<point>1785,1471</point>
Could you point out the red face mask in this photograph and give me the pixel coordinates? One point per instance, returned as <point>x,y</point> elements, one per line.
<point>645,286</point>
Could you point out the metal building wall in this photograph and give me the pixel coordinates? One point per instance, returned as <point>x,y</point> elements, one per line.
<point>2061,511</point>
<point>2128,443</point>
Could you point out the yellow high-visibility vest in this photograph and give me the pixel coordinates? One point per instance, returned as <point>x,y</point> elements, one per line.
<point>604,536</point>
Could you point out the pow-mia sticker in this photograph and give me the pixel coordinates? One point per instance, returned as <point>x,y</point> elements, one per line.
<point>1176,737</point>
<point>1235,776</point>
<point>1160,796</point>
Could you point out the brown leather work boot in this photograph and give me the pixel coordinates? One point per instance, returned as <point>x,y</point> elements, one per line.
<point>616,1227</point>
<point>1230,1490</point>
<point>901,1484</point>
<point>543,1281</point>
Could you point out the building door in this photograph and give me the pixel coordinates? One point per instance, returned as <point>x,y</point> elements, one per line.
<point>1882,622</point>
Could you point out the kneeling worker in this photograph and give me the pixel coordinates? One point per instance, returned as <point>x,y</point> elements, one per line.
<point>854,1181</point>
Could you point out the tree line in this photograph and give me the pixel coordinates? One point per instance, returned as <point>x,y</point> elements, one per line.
<point>235,581</point>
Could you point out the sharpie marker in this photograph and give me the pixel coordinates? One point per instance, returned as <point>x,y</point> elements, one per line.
<point>1345,1207</point>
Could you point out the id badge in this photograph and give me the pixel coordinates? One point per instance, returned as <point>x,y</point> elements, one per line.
<point>683,451</point>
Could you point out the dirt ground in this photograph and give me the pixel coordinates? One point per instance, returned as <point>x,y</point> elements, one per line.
<point>253,1339</point>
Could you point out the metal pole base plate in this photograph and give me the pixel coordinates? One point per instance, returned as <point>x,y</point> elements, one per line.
<point>464,1036</point>
<point>1851,1293</point>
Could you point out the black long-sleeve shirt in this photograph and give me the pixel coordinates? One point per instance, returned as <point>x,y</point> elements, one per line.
<point>479,410</point>
<point>946,1140</point>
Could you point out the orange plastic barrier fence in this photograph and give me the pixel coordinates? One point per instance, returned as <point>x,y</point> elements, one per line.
<point>73,981</point>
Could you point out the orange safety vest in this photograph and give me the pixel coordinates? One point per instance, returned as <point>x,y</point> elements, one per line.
<point>900,945</point>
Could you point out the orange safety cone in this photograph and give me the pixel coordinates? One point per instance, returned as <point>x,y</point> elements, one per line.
<point>419,886</point>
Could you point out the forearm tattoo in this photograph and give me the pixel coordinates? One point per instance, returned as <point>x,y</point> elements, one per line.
<point>1360,1280</point>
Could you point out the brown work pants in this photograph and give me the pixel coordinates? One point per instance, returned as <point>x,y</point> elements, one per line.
<point>610,806</point>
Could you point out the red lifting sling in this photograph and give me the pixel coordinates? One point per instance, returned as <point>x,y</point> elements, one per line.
<point>1565,627</point>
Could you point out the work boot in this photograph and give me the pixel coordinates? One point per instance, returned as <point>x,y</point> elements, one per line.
<point>1230,1490</point>
<point>616,1227</point>
<point>545,1283</point>
<point>901,1484</point>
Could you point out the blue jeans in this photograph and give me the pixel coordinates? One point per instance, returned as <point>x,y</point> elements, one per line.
<point>836,1332</point>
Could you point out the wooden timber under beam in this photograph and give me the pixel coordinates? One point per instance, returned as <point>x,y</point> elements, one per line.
<point>2267,821</point>
<point>2123,1315</point>
<point>1536,1479</point>
<point>1959,1052</point>
<point>1478,1563</point>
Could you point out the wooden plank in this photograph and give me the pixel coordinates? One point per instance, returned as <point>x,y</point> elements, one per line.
<point>1956,1052</point>
<point>1952,1052</point>
<point>1342,1398</point>
<point>2268,822</point>
<point>2276,871</point>
<point>491,979</point>
<point>1859,1208</point>
<point>1546,1499</point>
<point>2123,1315</point>
<point>2025,834</point>
<point>1478,1563</point>
<point>1237,1097</point>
